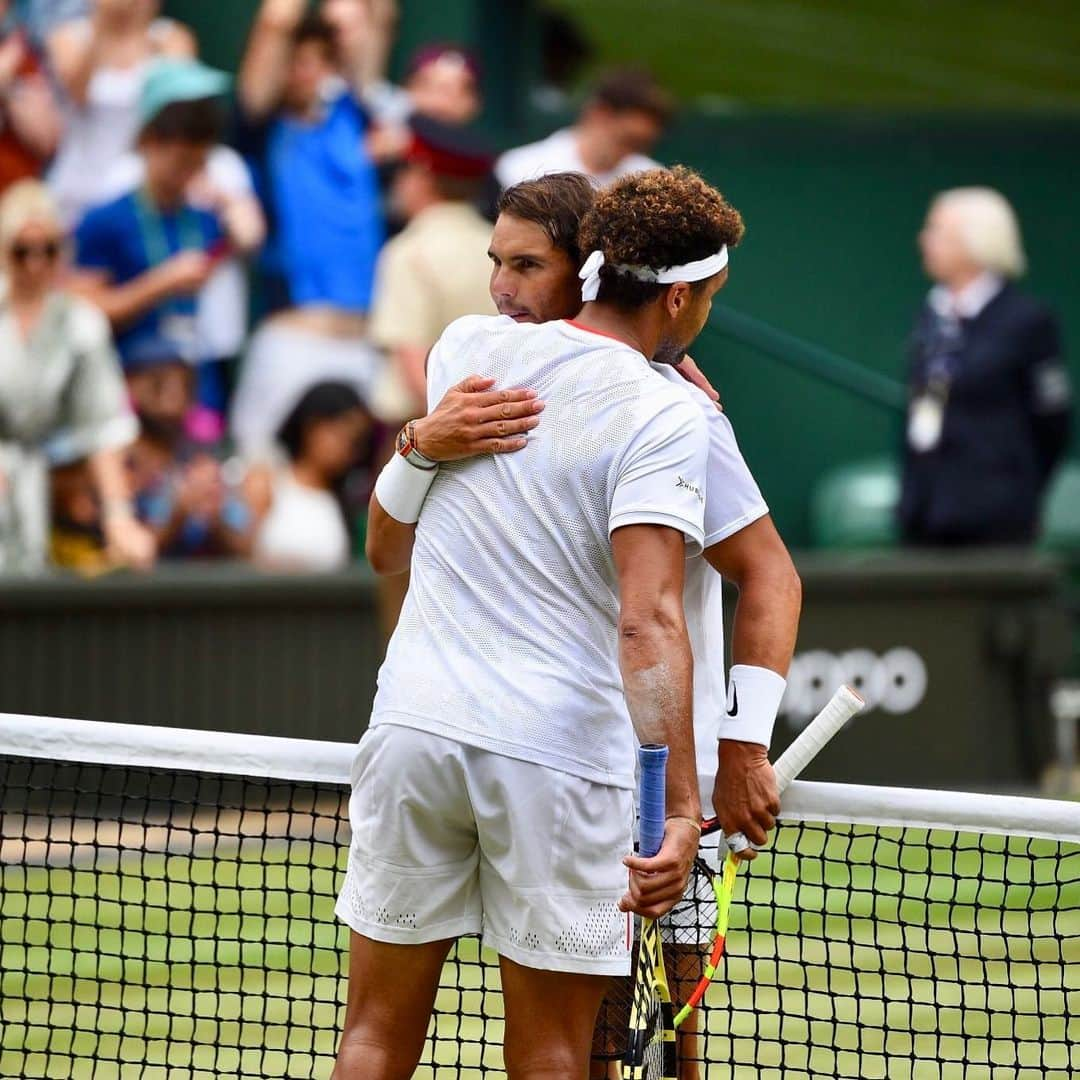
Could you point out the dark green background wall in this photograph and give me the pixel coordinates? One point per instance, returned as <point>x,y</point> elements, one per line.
<point>832,203</point>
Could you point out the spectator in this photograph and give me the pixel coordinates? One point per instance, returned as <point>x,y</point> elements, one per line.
<point>58,372</point>
<point>990,401</point>
<point>75,540</point>
<point>442,82</point>
<point>225,189</point>
<point>436,270</point>
<point>303,521</point>
<point>102,61</point>
<point>148,253</point>
<point>180,490</point>
<point>623,118</point>
<point>30,123</point>
<point>304,130</point>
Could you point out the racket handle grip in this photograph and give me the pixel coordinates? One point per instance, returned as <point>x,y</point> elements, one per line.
<point>652,798</point>
<point>843,705</point>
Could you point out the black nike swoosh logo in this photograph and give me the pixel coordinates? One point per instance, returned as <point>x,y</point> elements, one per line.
<point>734,710</point>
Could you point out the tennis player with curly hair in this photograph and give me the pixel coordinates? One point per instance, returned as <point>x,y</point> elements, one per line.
<point>543,629</point>
<point>535,254</point>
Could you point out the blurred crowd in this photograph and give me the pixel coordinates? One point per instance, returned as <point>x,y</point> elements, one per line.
<point>217,295</point>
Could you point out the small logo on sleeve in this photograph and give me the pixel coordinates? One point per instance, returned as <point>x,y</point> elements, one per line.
<point>694,489</point>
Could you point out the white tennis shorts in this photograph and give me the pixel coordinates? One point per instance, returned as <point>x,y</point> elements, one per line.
<point>449,839</point>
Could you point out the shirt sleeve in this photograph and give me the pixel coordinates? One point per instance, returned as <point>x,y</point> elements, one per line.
<point>95,242</point>
<point>735,500</point>
<point>96,412</point>
<point>228,172</point>
<point>662,474</point>
<point>404,313</point>
<point>1048,381</point>
<point>1049,393</point>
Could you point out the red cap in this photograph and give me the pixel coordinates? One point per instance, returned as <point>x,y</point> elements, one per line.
<point>448,150</point>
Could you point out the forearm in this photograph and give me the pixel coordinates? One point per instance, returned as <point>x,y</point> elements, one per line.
<point>36,121</point>
<point>244,223</point>
<point>262,71</point>
<point>657,671</point>
<point>389,543</point>
<point>110,478</point>
<point>123,304</point>
<point>75,58</point>
<point>766,621</point>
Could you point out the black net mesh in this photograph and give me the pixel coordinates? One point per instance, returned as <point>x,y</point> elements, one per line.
<point>158,924</point>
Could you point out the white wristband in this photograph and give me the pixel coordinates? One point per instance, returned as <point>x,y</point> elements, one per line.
<point>754,695</point>
<point>402,488</point>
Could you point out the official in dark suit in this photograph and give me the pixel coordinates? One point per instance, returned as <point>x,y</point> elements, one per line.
<point>989,408</point>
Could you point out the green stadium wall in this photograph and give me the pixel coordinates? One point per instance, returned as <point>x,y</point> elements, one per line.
<point>832,204</point>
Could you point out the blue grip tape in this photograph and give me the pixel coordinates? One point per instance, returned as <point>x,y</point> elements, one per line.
<point>652,805</point>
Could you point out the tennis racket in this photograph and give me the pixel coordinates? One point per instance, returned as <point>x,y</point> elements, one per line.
<point>650,1054</point>
<point>707,888</point>
<point>843,705</point>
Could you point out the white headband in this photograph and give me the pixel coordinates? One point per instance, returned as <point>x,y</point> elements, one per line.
<point>694,271</point>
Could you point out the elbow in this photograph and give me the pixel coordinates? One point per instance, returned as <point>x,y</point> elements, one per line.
<point>377,560</point>
<point>650,628</point>
<point>791,588</point>
<point>383,562</point>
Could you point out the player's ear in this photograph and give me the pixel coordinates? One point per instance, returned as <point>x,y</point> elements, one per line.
<point>676,299</point>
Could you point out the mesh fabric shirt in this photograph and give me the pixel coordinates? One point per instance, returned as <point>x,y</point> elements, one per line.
<point>507,639</point>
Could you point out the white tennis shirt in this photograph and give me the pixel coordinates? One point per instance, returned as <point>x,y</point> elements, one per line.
<point>734,501</point>
<point>508,638</point>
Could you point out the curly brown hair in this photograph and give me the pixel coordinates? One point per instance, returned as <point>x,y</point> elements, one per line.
<point>657,218</point>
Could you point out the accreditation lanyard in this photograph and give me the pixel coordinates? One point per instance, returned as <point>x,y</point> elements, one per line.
<point>926,416</point>
<point>178,312</point>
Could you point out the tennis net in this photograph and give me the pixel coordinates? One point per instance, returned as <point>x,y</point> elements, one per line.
<point>166,910</point>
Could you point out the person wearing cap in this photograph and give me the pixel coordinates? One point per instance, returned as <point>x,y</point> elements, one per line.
<point>624,116</point>
<point>179,486</point>
<point>60,386</point>
<point>146,254</point>
<point>101,58</point>
<point>442,81</point>
<point>436,269</point>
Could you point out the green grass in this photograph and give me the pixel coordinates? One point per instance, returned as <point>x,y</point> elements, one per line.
<point>863,955</point>
<point>911,54</point>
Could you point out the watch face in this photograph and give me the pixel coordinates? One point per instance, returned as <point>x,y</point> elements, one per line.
<point>402,442</point>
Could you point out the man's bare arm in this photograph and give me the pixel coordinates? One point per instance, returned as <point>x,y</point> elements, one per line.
<point>757,562</point>
<point>657,671</point>
<point>264,67</point>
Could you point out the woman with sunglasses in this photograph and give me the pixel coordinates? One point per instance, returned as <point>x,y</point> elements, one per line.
<point>61,388</point>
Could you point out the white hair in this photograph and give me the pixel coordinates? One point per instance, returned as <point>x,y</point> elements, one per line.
<point>988,228</point>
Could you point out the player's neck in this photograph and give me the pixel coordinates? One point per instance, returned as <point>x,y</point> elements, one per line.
<point>638,329</point>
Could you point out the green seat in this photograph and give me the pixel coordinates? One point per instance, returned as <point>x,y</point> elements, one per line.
<point>854,506</point>
<point>1061,511</point>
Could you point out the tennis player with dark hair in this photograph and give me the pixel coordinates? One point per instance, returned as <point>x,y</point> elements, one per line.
<point>535,258</point>
<point>543,627</point>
